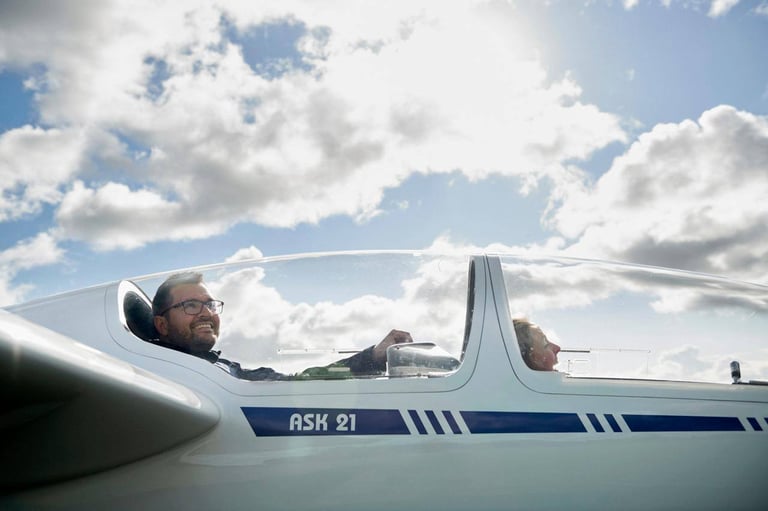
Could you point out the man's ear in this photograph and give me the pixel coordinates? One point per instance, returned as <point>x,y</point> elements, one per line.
<point>161,325</point>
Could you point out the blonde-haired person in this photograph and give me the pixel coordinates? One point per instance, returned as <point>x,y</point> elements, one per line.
<point>538,352</point>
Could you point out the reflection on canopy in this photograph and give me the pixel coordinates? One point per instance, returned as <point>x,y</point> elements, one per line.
<point>631,321</point>
<point>294,313</point>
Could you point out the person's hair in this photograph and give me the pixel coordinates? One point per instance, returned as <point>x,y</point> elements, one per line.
<point>523,331</point>
<point>162,299</point>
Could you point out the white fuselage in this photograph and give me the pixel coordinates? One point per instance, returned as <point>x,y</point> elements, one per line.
<point>493,435</point>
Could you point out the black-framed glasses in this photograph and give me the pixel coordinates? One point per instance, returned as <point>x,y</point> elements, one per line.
<point>194,307</point>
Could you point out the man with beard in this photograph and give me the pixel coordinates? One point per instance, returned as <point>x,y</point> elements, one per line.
<point>186,318</point>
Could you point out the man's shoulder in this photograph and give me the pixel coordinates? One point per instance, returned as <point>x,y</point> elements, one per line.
<point>260,374</point>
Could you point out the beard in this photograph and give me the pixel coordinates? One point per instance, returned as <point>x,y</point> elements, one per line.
<point>194,339</point>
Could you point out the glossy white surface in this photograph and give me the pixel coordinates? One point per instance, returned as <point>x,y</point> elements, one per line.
<point>560,442</point>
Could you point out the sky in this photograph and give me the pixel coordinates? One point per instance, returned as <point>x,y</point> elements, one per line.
<point>140,137</point>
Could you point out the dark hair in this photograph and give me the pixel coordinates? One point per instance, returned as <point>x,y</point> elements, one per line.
<point>162,299</point>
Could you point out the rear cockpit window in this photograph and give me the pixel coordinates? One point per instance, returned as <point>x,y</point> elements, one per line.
<point>136,311</point>
<point>623,321</point>
<point>306,317</point>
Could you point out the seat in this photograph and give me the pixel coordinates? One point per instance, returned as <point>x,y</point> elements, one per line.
<point>137,311</point>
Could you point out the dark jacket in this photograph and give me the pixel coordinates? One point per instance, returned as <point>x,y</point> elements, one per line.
<point>359,364</point>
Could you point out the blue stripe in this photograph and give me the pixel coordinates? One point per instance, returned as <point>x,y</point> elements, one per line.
<point>595,423</point>
<point>656,423</point>
<point>435,424</point>
<point>452,422</point>
<point>417,421</point>
<point>612,422</point>
<point>268,421</point>
<point>276,421</point>
<point>523,422</point>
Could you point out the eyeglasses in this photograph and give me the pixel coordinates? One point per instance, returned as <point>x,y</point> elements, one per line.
<point>193,307</point>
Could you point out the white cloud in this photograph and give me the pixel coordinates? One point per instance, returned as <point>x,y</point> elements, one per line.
<point>630,4</point>
<point>690,363</point>
<point>41,250</point>
<point>170,135</point>
<point>762,9</point>
<point>310,143</point>
<point>721,7</point>
<point>244,254</point>
<point>34,163</point>
<point>38,251</point>
<point>114,216</point>
<point>688,195</point>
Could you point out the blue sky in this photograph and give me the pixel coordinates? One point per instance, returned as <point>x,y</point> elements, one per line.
<point>136,140</point>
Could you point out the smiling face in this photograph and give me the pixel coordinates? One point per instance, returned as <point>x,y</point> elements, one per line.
<point>193,333</point>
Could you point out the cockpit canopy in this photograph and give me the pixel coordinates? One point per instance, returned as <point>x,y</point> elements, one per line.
<point>610,320</point>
